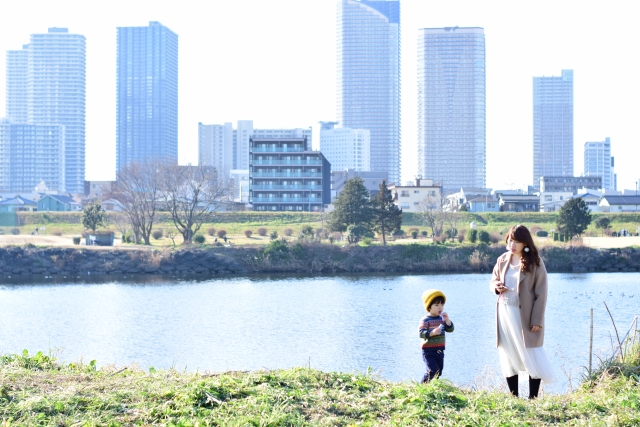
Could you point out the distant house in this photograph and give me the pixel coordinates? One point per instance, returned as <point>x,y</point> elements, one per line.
<point>592,201</point>
<point>483,204</point>
<point>552,201</point>
<point>58,203</point>
<point>620,203</point>
<point>18,204</point>
<point>519,203</point>
<point>409,197</point>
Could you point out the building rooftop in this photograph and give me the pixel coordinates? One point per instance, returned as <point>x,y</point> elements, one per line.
<point>622,200</point>
<point>18,201</point>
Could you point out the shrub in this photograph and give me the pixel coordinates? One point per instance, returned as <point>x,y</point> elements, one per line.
<point>130,238</point>
<point>542,233</point>
<point>336,235</point>
<point>57,233</point>
<point>217,244</point>
<point>473,235</point>
<point>288,231</point>
<point>414,234</point>
<point>221,233</point>
<point>211,231</point>
<point>484,237</point>
<point>369,234</point>
<point>451,233</point>
<point>331,239</point>
<point>412,229</point>
<point>495,238</point>
<point>76,240</point>
<point>15,231</point>
<point>398,233</point>
<point>535,229</point>
<point>262,231</point>
<point>248,233</point>
<point>461,235</point>
<point>199,238</point>
<point>273,235</point>
<point>367,241</point>
<point>440,239</point>
<point>555,237</point>
<point>424,233</point>
<point>157,234</point>
<point>504,231</point>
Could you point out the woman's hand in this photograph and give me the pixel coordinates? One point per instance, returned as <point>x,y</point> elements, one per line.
<point>500,287</point>
<point>536,328</point>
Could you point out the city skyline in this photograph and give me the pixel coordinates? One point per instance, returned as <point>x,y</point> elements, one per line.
<point>284,96</point>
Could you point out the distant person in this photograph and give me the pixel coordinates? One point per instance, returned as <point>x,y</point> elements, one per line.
<point>520,281</point>
<point>432,331</point>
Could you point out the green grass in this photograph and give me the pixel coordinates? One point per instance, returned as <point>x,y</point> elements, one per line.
<point>36,390</point>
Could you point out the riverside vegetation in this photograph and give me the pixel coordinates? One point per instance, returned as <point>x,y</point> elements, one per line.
<point>302,257</point>
<point>38,390</point>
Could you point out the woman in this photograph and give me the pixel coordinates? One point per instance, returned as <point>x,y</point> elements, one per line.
<point>520,281</point>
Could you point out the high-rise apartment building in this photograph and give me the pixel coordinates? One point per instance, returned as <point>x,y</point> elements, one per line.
<point>598,162</point>
<point>228,149</point>
<point>553,126</point>
<point>46,85</point>
<point>368,77</point>
<point>147,95</point>
<point>452,106</point>
<point>31,154</point>
<point>346,148</point>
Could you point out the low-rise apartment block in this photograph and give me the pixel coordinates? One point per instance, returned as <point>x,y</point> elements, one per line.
<point>286,175</point>
<point>412,198</point>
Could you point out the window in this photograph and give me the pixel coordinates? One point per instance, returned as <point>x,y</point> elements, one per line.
<point>404,193</point>
<point>548,198</point>
<point>404,205</point>
<point>416,191</point>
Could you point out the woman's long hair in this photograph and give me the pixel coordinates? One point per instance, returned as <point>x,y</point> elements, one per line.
<point>521,234</point>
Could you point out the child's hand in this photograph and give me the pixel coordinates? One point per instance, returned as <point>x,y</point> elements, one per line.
<point>435,332</point>
<point>445,316</point>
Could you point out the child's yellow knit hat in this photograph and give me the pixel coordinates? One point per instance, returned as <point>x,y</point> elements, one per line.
<point>429,295</point>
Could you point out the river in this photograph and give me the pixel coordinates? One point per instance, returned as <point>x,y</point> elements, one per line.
<point>332,323</point>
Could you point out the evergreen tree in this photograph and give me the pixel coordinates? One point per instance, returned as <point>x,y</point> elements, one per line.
<point>574,218</point>
<point>94,217</point>
<point>388,216</point>
<point>353,210</point>
<point>603,223</point>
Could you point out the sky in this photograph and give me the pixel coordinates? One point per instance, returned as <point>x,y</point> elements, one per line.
<point>274,62</point>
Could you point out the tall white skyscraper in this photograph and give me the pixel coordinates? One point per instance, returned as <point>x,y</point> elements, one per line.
<point>598,162</point>
<point>228,149</point>
<point>46,85</point>
<point>346,148</point>
<point>553,126</point>
<point>368,77</point>
<point>452,106</point>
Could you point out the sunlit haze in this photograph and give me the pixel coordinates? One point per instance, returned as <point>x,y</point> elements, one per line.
<point>274,62</point>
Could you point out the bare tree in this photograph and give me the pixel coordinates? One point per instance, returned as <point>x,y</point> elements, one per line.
<point>193,195</point>
<point>138,193</point>
<point>432,212</point>
<point>120,221</point>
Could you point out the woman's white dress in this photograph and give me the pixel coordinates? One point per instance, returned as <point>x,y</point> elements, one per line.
<point>515,358</point>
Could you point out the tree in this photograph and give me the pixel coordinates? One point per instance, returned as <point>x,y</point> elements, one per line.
<point>93,217</point>
<point>603,223</point>
<point>137,192</point>
<point>432,212</point>
<point>574,217</point>
<point>388,216</point>
<point>353,210</point>
<point>193,195</point>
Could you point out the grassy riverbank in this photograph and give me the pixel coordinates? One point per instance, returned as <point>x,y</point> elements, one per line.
<point>37,390</point>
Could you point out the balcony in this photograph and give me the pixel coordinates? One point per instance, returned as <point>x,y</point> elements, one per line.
<point>287,162</point>
<point>286,174</point>
<point>276,149</point>
<point>286,187</point>
<point>286,200</point>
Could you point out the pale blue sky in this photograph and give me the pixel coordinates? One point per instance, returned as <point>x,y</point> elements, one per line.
<point>274,62</point>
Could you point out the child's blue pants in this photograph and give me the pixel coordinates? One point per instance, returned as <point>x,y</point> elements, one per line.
<point>434,359</point>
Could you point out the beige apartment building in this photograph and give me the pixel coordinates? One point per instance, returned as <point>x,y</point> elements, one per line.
<point>410,197</point>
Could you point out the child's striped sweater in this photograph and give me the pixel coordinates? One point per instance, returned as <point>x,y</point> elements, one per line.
<point>427,325</point>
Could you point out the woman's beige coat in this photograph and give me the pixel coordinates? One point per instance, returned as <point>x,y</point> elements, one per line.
<point>532,292</point>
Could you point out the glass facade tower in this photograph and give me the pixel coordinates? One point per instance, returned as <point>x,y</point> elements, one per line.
<point>146,94</point>
<point>553,126</point>
<point>598,162</point>
<point>452,106</point>
<point>368,77</point>
<point>46,85</point>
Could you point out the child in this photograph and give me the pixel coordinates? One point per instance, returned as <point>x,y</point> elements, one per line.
<point>432,332</point>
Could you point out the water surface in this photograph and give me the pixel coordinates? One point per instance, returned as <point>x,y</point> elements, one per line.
<point>343,323</point>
